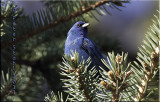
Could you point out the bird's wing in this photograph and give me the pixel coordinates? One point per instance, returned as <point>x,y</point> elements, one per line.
<point>92,50</point>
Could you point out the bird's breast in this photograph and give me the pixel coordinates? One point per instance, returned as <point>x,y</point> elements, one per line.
<point>75,45</point>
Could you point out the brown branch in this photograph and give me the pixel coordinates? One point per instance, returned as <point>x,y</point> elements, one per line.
<point>83,86</point>
<point>115,97</point>
<point>58,21</point>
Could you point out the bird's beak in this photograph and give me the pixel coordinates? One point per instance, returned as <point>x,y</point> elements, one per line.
<point>85,25</point>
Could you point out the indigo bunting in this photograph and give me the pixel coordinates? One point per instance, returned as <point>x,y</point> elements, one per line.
<point>77,39</point>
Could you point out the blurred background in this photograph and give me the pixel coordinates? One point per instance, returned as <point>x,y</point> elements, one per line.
<point>37,57</point>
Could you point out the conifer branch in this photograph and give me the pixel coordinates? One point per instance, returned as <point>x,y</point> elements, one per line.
<point>149,60</point>
<point>82,85</point>
<point>7,10</point>
<point>59,21</point>
<point>149,74</point>
<point>6,90</point>
<point>6,84</point>
<point>81,82</point>
<point>55,98</point>
<point>116,82</point>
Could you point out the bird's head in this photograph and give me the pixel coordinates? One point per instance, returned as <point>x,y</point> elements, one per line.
<point>79,29</point>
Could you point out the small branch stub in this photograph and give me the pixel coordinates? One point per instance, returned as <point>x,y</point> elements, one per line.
<point>103,83</point>
<point>72,59</point>
<point>110,74</point>
<point>119,59</point>
<point>77,72</point>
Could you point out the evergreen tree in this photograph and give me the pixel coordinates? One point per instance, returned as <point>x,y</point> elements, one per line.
<point>40,46</point>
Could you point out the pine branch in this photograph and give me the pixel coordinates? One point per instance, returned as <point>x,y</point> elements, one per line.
<point>82,85</point>
<point>6,84</point>
<point>116,80</point>
<point>141,73</point>
<point>6,91</point>
<point>55,98</point>
<point>80,82</point>
<point>7,10</point>
<point>148,57</point>
<point>58,21</point>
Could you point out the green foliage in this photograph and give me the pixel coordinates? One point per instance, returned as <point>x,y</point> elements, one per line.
<point>79,81</point>
<point>6,83</point>
<point>29,90</point>
<point>7,14</point>
<point>118,80</point>
<point>53,97</point>
<point>147,65</point>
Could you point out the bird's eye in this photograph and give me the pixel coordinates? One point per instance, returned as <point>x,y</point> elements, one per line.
<point>78,25</point>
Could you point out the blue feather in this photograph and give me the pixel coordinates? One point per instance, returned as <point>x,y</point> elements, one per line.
<point>77,40</point>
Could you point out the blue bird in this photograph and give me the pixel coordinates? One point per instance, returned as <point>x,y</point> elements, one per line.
<point>77,39</point>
